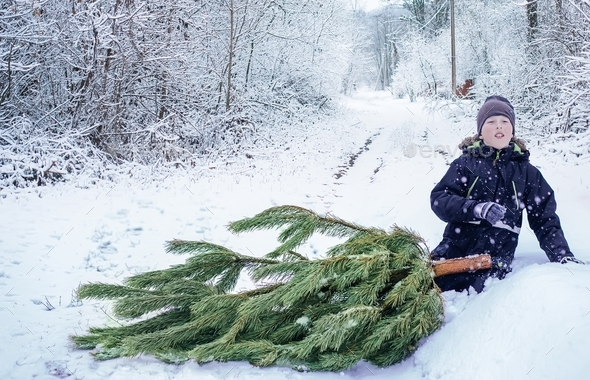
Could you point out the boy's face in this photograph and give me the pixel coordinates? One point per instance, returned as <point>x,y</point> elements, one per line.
<point>496,132</point>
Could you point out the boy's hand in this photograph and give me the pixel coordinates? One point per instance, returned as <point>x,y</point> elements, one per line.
<point>570,259</point>
<point>490,211</point>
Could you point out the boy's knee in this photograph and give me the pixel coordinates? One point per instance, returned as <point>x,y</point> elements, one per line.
<point>463,281</point>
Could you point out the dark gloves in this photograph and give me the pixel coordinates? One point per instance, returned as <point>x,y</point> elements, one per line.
<point>570,259</point>
<point>490,211</point>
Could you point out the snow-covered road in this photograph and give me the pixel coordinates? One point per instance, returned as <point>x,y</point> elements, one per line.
<point>376,168</point>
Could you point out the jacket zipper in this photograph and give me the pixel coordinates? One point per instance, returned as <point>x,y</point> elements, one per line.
<point>497,157</point>
<point>515,195</point>
<point>471,187</point>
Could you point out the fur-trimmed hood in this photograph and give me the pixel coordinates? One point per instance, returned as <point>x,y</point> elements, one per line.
<point>468,141</point>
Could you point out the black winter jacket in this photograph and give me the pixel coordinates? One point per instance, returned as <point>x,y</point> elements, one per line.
<point>506,177</point>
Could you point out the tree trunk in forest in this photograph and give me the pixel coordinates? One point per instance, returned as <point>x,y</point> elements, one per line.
<point>248,66</point>
<point>231,53</point>
<point>533,20</point>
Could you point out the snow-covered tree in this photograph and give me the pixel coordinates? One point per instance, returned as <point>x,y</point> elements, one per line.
<point>147,81</point>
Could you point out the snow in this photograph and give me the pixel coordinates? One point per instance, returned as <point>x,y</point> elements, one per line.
<point>535,324</point>
<point>304,321</point>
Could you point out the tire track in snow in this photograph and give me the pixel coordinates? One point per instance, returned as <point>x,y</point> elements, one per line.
<point>352,159</point>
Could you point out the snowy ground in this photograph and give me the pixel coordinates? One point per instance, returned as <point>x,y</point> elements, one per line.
<point>535,324</point>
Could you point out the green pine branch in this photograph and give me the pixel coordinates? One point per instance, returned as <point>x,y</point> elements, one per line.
<point>210,263</point>
<point>300,224</point>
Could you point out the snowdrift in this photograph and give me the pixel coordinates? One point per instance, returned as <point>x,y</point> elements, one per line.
<point>535,324</point>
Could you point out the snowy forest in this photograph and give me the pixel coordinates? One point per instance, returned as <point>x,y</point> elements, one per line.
<point>85,83</point>
<point>153,153</point>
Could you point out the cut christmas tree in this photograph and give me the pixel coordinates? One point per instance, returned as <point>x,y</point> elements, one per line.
<point>372,298</point>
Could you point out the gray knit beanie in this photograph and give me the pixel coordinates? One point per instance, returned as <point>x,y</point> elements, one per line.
<point>496,106</point>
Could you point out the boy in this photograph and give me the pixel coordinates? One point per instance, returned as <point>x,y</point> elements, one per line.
<point>482,196</point>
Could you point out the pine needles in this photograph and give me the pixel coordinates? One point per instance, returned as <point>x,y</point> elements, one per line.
<point>372,297</point>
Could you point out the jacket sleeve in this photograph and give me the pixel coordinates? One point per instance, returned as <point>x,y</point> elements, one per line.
<point>543,220</point>
<point>448,198</point>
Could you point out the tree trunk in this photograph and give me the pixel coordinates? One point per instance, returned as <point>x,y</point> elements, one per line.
<point>463,264</point>
<point>531,12</point>
<point>231,53</point>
